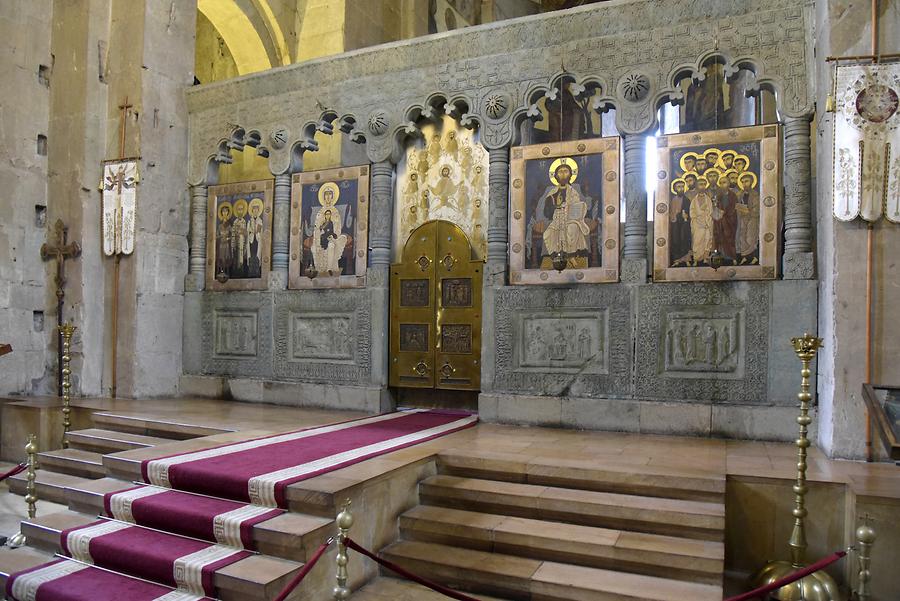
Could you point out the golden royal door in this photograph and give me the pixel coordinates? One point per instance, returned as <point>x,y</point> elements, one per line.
<point>436,311</point>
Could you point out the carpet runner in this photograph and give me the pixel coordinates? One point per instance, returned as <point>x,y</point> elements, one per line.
<point>168,538</point>
<point>216,520</point>
<point>73,581</point>
<point>259,470</point>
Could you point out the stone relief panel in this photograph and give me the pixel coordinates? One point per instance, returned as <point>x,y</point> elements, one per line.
<point>236,332</point>
<point>622,43</point>
<point>556,341</point>
<point>565,342</point>
<point>703,342</point>
<point>322,336</point>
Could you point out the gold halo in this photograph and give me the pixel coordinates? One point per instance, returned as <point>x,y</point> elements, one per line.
<point>240,206</point>
<point>744,157</point>
<point>681,161</point>
<point>743,174</point>
<point>257,203</point>
<point>731,152</point>
<point>222,205</point>
<point>334,188</point>
<point>702,178</point>
<point>675,181</point>
<point>567,161</point>
<point>710,170</point>
<point>713,149</point>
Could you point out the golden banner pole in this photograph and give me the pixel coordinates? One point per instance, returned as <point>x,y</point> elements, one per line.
<point>344,523</point>
<point>67,330</point>
<point>818,586</point>
<point>18,539</point>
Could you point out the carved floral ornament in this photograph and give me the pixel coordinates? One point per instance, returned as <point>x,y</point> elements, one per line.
<point>374,113</point>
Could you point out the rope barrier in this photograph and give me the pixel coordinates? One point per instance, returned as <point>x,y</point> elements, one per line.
<point>296,580</point>
<point>793,577</point>
<point>16,470</point>
<point>439,588</point>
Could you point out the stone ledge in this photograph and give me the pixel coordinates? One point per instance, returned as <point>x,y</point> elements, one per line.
<point>745,422</point>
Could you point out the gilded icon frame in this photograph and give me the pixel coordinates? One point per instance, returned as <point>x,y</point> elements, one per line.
<point>767,178</point>
<point>303,271</point>
<point>262,189</point>
<point>606,241</point>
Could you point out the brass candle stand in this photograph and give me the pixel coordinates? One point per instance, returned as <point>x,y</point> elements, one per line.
<point>865,538</point>
<point>818,586</point>
<point>67,330</point>
<point>344,523</point>
<point>18,539</point>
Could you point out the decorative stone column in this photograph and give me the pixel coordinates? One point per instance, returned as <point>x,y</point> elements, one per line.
<point>497,257</point>
<point>634,256</point>
<point>799,261</point>
<point>381,210</point>
<point>196,276</point>
<point>498,216</point>
<point>281,231</point>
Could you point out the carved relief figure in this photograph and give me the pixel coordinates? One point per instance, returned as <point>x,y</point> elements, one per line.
<point>697,343</point>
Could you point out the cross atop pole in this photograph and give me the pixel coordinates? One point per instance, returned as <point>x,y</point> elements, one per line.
<point>60,252</point>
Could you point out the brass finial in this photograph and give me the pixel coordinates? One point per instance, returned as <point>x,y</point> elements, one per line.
<point>18,539</point>
<point>67,330</point>
<point>344,523</point>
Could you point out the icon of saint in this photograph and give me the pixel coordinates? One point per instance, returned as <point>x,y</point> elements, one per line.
<point>701,213</point>
<point>747,208</point>
<point>559,217</point>
<point>223,241</point>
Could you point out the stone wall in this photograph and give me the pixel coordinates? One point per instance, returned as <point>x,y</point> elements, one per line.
<point>27,314</point>
<point>844,28</point>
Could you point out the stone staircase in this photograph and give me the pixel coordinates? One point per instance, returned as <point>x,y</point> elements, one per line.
<point>79,476</point>
<point>564,530</point>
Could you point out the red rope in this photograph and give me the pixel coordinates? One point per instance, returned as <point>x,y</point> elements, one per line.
<point>296,580</point>
<point>794,576</point>
<point>448,592</point>
<point>16,470</point>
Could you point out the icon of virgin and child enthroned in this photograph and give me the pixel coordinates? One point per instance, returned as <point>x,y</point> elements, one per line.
<point>565,209</point>
<point>329,225</point>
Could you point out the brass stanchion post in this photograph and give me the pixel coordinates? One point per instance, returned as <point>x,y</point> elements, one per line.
<point>344,523</point>
<point>865,538</point>
<point>67,330</point>
<point>818,586</point>
<point>18,539</point>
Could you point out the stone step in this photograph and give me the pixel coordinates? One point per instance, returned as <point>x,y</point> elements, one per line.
<point>293,536</point>
<point>149,426</point>
<point>50,486</point>
<point>16,560</point>
<point>520,578</point>
<point>649,554</point>
<point>393,589</point>
<point>109,441</point>
<point>584,474</point>
<point>75,462</point>
<point>653,515</point>
<point>255,577</point>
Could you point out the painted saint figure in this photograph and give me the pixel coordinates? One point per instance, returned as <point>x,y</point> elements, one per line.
<point>679,224</point>
<point>560,217</point>
<point>747,208</point>
<point>223,241</point>
<point>701,214</point>
<point>330,241</point>
<point>255,228</point>
<point>239,246</point>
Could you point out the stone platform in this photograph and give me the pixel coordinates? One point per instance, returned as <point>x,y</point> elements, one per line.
<point>509,511</point>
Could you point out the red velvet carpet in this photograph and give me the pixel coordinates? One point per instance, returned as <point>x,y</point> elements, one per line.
<point>167,544</point>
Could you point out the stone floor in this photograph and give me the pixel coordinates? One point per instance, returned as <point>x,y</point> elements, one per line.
<point>13,508</point>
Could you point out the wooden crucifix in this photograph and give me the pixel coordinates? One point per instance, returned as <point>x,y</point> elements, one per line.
<point>59,252</point>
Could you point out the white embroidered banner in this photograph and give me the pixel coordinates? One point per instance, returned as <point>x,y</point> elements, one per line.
<point>119,185</point>
<point>867,143</point>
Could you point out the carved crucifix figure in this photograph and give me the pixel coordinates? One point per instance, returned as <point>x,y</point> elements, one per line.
<point>59,252</point>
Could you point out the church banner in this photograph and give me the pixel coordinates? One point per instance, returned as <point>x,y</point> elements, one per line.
<point>867,143</point>
<point>564,226</point>
<point>119,187</point>
<point>329,228</point>
<point>717,213</point>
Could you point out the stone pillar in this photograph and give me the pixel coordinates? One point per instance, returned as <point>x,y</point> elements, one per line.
<point>634,256</point>
<point>497,253</point>
<point>381,210</point>
<point>799,263</point>
<point>196,277</point>
<point>498,211</point>
<point>281,231</point>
